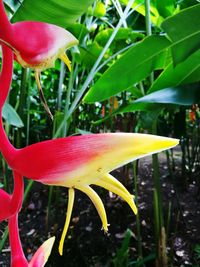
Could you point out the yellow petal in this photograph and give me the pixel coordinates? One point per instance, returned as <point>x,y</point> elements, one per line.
<point>97,203</point>
<point>67,221</point>
<point>108,178</point>
<point>66,60</point>
<point>118,190</point>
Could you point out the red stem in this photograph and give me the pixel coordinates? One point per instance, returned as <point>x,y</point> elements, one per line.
<point>6,73</point>
<point>5,81</point>
<point>18,192</point>
<point>17,254</point>
<point>5,28</point>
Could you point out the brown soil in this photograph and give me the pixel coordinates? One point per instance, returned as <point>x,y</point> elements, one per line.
<point>88,246</point>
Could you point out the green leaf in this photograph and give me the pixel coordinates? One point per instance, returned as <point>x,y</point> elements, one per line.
<point>122,254</point>
<point>165,7</point>
<point>11,116</point>
<point>1,185</point>
<point>185,95</point>
<point>184,31</point>
<point>135,65</point>
<point>62,12</point>
<point>155,102</point>
<point>185,72</point>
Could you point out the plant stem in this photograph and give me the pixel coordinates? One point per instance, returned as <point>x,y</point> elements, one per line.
<point>139,237</point>
<point>22,104</point>
<point>61,80</point>
<point>148,27</point>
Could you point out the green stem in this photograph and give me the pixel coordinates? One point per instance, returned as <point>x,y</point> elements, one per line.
<point>61,80</point>
<point>28,108</point>
<point>148,27</point>
<point>139,237</point>
<point>4,238</point>
<point>22,104</point>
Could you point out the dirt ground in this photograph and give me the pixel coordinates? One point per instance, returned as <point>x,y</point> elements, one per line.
<point>86,245</point>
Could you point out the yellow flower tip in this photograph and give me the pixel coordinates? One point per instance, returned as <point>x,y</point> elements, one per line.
<point>67,221</point>
<point>47,246</point>
<point>66,60</point>
<point>60,249</point>
<point>136,210</point>
<point>105,228</point>
<point>113,185</point>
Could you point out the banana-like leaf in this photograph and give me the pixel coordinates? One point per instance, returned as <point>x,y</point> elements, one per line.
<point>62,12</point>
<point>135,65</point>
<point>157,101</point>
<point>185,95</point>
<point>11,116</point>
<point>186,72</point>
<point>184,31</point>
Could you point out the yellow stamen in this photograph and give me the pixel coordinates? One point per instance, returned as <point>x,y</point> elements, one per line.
<point>41,94</point>
<point>97,203</point>
<point>68,217</point>
<point>118,191</point>
<point>66,60</point>
<point>108,178</point>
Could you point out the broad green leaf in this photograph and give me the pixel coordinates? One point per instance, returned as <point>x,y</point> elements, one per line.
<point>11,116</point>
<point>185,72</point>
<point>62,12</point>
<point>135,65</point>
<point>183,30</point>
<point>155,102</point>
<point>187,3</point>
<point>1,185</point>
<point>185,95</point>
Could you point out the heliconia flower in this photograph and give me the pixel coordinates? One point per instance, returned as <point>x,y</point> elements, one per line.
<point>18,259</point>
<point>36,45</point>
<point>77,162</point>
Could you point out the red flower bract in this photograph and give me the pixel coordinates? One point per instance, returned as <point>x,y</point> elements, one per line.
<point>36,45</point>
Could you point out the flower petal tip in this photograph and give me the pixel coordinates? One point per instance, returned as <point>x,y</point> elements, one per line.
<point>66,60</point>
<point>105,228</point>
<point>42,254</point>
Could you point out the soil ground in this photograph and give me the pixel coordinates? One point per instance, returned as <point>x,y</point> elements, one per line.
<point>87,246</point>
